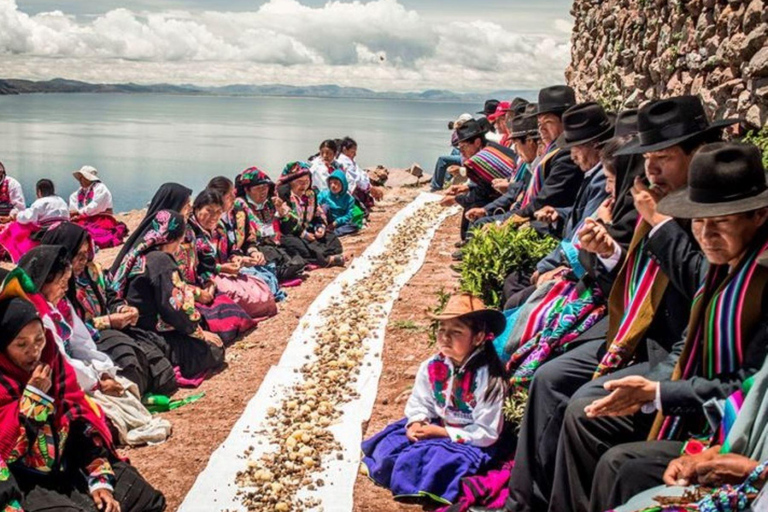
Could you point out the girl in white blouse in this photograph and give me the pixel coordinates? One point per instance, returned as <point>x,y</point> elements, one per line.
<point>454,415</point>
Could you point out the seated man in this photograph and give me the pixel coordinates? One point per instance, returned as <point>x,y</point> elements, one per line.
<point>727,336</point>
<point>446,161</point>
<point>91,207</point>
<point>484,161</point>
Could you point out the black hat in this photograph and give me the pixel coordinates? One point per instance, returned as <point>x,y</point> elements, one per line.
<point>555,100</point>
<point>489,107</point>
<point>626,123</point>
<point>669,122</point>
<point>583,123</point>
<point>724,178</point>
<point>524,127</point>
<point>517,105</point>
<point>471,129</point>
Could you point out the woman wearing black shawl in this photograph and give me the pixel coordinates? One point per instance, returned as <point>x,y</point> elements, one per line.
<point>141,355</point>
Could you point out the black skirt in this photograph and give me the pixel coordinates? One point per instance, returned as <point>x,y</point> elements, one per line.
<point>193,356</point>
<point>318,252</point>
<point>287,267</point>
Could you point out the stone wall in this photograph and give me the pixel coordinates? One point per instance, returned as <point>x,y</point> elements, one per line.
<point>625,52</point>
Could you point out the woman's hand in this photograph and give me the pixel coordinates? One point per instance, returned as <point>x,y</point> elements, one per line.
<point>110,386</point>
<point>231,268</point>
<point>213,339</point>
<point>413,429</point>
<point>41,377</point>
<point>320,232</point>
<point>204,296</point>
<point>280,206</point>
<point>257,258</point>
<point>105,500</point>
<point>430,432</point>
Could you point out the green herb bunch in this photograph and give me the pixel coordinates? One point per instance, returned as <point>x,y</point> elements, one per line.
<point>493,252</point>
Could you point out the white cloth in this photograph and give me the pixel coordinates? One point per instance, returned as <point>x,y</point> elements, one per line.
<point>88,362</point>
<point>134,423</point>
<point>356,176</point>
<point>320,174</point>
<point>479,427</point>
<point>44,210</point>
<point>494,137</point>
<point>16,195</point>
<point>101,202</point>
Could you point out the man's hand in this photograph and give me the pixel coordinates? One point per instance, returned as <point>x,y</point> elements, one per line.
<point>453,170</point>
<point>682,470</point>
<point>448,201</point>
<point>594,238</point>
<point>627,397</point>
<point>550,275</point>
<point>455,190</point>
<point>475,213</point>
<point>646,201</point>
<point>547,215</point>
<point>110,386</point>
<point>105,501</point>
<point>725,469</point>
<point>41,377</point>
<point>501,185</point>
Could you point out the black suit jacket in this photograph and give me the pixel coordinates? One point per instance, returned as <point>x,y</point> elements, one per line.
<point>560,186</point>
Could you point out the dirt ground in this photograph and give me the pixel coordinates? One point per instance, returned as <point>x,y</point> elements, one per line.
<point>199,428</point>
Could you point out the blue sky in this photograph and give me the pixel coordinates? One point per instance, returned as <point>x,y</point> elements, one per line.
<point>380,44</point>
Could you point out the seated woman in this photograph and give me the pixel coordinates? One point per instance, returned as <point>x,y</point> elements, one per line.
<point>221,315</point>
<point>344,216</point>
<point>454,415</point>
<point>25,232</point>
<point>90,206</point>
<point>249,292</point>
<point>359,184</point>
<point>49,269</point>
<point>148,278</point>
<point>324,164</point>
<point>141,355</point>
<point>304,229</point>
<point>55,441</point>
<point>250,226</point>
<point>11,198</point>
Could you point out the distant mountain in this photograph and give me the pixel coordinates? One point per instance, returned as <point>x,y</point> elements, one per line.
<point>61,85</point>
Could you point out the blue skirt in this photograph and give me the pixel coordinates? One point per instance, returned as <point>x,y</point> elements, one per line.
<point>425,469</point>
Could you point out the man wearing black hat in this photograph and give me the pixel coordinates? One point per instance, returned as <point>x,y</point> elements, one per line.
<point>727,336</point>
<point>484,162</point>
<point>650,299</point>
<point>544,468</point>
<point>525,141</point>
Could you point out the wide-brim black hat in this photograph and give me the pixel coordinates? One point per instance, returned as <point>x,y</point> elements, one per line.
<point>471,129</point>
<point>524,127</point>
<point>669,122</point>
<point>585,123</point>
<point>489,107</point>
<point>724,178</point>
<point>555,100</point>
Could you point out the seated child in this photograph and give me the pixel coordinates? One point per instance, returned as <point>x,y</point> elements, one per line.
<point>30,225</point>
<point>454,415</point>
<point>341,210</point>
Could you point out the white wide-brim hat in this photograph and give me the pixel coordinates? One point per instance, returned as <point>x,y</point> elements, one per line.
<point>87,172</point>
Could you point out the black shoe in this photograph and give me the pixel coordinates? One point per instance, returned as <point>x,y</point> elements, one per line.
<point>460,244</point>
<point>457,256</point>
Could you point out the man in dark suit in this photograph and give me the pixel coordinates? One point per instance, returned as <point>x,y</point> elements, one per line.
<point>643,338</point>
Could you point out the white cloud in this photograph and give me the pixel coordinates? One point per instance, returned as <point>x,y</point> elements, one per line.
<point>379,44</point>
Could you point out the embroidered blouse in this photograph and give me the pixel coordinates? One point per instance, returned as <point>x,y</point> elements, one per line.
<point>95,298</point>
<point>206,253</point>
<point>306,215</point>
<point>40,446</point>
<point>10,495</point>
<point>90,201</point>
<point>320,172</point>
<point>44,210</point>
<point>456,398</point>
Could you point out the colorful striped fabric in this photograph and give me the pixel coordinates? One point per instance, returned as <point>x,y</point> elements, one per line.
<point>537,177</point>
<point>489,164</point>
<point>642,272</point>
<point>722,320</point>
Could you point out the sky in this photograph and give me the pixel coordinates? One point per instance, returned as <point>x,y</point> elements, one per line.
<point>384,45</point>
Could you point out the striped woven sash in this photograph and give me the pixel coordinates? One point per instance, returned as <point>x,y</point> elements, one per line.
<point>726,310</point>
<point>489,164</point>
<point>537,177</point>
<point>634,298</point>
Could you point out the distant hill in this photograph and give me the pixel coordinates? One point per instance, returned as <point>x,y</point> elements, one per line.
<point>61,85</point>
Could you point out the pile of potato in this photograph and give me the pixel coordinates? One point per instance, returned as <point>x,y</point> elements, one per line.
<point>299,427</point>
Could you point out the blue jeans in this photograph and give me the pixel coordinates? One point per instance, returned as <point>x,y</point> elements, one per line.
<point>441,167</point>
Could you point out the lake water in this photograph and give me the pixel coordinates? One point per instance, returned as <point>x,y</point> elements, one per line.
<point>138,142</point>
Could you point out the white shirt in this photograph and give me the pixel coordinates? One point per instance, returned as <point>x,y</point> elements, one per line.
<point>356,177</point>
<point>320,174</point>
<point>44,210</point>
<point>88,362</point>
<point>16,195</point>
<point>479,427</point>
<point>101,202</point>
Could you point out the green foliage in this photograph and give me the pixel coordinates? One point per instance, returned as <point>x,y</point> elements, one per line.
<point>406,325</point>
<point>759,139</point>
<point>442,300</point>
<point>514,406</point>
<point>493,252</point>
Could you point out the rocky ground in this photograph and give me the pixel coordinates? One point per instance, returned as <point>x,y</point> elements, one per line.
<point>199,428</point>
